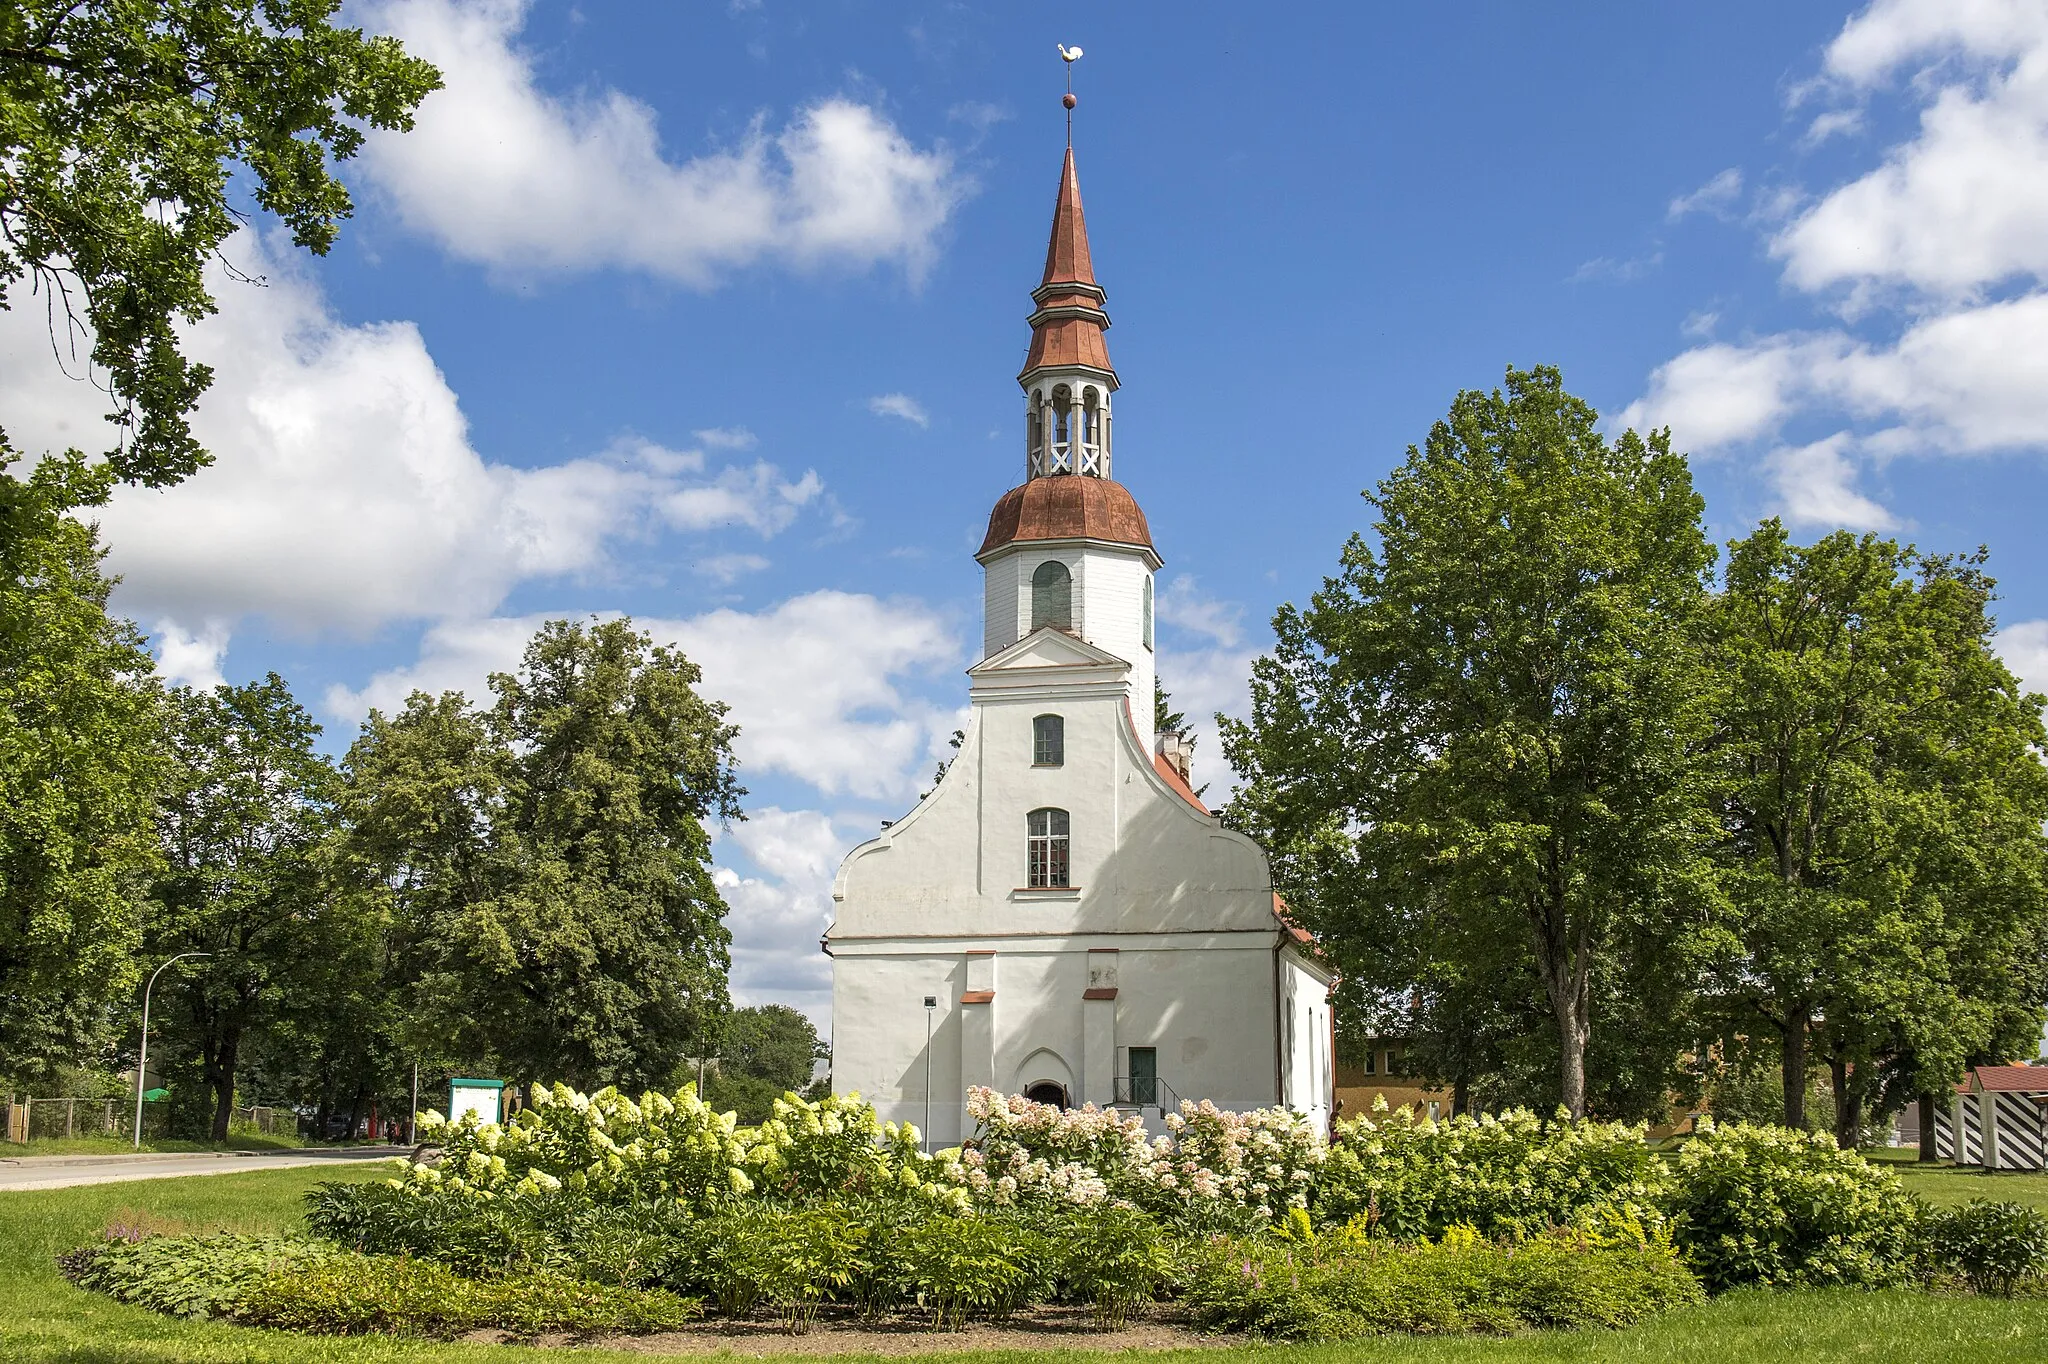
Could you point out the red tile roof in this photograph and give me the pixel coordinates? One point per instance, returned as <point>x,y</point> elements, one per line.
<point>2012,1079</point>
<point>1180,788</point>
<point>1294,930</point>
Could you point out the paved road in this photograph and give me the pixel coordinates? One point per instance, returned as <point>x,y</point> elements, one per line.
<point>61,1172</point>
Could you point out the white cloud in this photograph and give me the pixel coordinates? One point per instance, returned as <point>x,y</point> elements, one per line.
<point>812,682</point>
<point>1205,663</point>
<point>778,914</point>
<point>730,568</point>
<point>1934,259</point>
<point>1717,196</point>
<point>1608,270</point>
<point>900,405</point>
<point>345,491</point>
<point>191,658</point>
<point>1964,203</point>
<point>1814,487</point>
<point>726,438</point>
<point>505,174</point>
<point>2024,647</point>
<point>1968,381</point>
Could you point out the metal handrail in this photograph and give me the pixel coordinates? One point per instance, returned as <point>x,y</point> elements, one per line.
<point>1146,1092</point>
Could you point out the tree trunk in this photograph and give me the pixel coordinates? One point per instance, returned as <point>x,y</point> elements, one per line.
<point>1927,1146</point>
<point>1795,1066</point>
<point>1461,1096</point>
<point>221,1075</point>
<point>1848,1103</point>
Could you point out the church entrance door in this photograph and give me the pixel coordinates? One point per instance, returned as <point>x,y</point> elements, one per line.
<point>1047,1092</point>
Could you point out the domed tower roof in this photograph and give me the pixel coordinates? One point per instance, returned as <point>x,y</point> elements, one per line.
<point>1070,507</point>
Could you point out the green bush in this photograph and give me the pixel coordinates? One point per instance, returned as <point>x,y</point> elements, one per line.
<point>358,1294</point>
<point>1995,1247</point>
<point>1350,1284</point>
<point>792,1260</point>
<point>1114,1258</point>
<point>1511,1175</point>
<point>972,1266</point>
<point>304,1285</point>
<point>1767,1205</point>
<point>188,1276</point>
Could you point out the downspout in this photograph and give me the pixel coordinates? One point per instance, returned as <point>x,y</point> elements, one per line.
<point>1279,1023</point>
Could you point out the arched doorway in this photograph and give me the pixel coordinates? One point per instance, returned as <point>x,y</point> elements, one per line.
<point>1047,1092</point>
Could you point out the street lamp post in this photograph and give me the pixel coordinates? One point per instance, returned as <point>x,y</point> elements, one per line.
<point>931,1004</point>
<point>142,1053</point>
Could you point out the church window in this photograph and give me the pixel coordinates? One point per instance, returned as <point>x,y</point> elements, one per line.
<point>1048,841</point>
<point>1148,611</point>
<point>1052,596</point>
<point>1048,741</point>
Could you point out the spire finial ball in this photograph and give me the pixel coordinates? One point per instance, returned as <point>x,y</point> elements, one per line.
<point>1069,100</point>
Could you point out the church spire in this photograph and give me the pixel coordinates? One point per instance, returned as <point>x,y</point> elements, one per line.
<point>1067,376</point>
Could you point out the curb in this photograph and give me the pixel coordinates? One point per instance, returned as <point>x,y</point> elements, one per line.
<point>146,1157</point>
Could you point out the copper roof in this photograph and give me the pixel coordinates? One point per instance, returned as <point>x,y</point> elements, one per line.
<point>1067,327</point>
<point>1067,507</point>
<point>1066,255</point>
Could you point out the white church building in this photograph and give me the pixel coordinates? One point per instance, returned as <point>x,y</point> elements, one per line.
<point>1061,917</point>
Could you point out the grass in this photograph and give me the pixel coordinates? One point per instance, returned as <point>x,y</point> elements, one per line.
<point>44,1320</point>
<point>1946,1186</point>
<point>121,1146</point>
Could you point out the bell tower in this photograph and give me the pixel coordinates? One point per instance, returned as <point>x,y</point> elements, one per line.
<point>1067,376</point>
<point>1068,548</point>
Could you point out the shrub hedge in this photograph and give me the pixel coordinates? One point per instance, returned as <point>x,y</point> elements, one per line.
<point>1351,1284</point>
<point>602,1213</point>
<point>306,1285</point>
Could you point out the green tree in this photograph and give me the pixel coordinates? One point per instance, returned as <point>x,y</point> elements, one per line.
<point>548,859</point>
<point>1481,737</point>
<point>123,125</point>
<point>245,825</point>
<point>1881,798</point>
<point>764,1052</point>
<point>80,762</point>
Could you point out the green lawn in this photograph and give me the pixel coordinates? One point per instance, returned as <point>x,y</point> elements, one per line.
<point>120,1146</point>
<point>44,1320</point>
<point>1946,1186</point>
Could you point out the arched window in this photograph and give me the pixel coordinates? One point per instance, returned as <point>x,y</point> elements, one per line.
<point>1047,840</point>
<point>1148,611</point>
<point>1048,741</point>
<point>1052,596</point>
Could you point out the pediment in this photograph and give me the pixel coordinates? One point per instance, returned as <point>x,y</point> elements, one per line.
<point>1047,648</point>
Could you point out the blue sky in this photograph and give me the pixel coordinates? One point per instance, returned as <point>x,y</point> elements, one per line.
<point>710,314</point>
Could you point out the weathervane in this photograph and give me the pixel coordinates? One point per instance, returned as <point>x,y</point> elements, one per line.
<point>1069,55</point>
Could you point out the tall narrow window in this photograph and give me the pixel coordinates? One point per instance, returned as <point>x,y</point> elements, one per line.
<point>1048,741</point>
<point>1052,596</point>
<point>1048,848</point>
<point>1371,1055</point>
<point>1148,611</point>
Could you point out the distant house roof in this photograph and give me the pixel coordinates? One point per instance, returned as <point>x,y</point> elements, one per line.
<point>1294,930</point>
<point>2010,1079</point>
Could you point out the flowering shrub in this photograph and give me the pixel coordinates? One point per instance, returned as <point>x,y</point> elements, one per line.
<point>1507,1176</point>
<point>1772,1206</point>
<point>1214,1168</point>
<point>615,1150</point>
